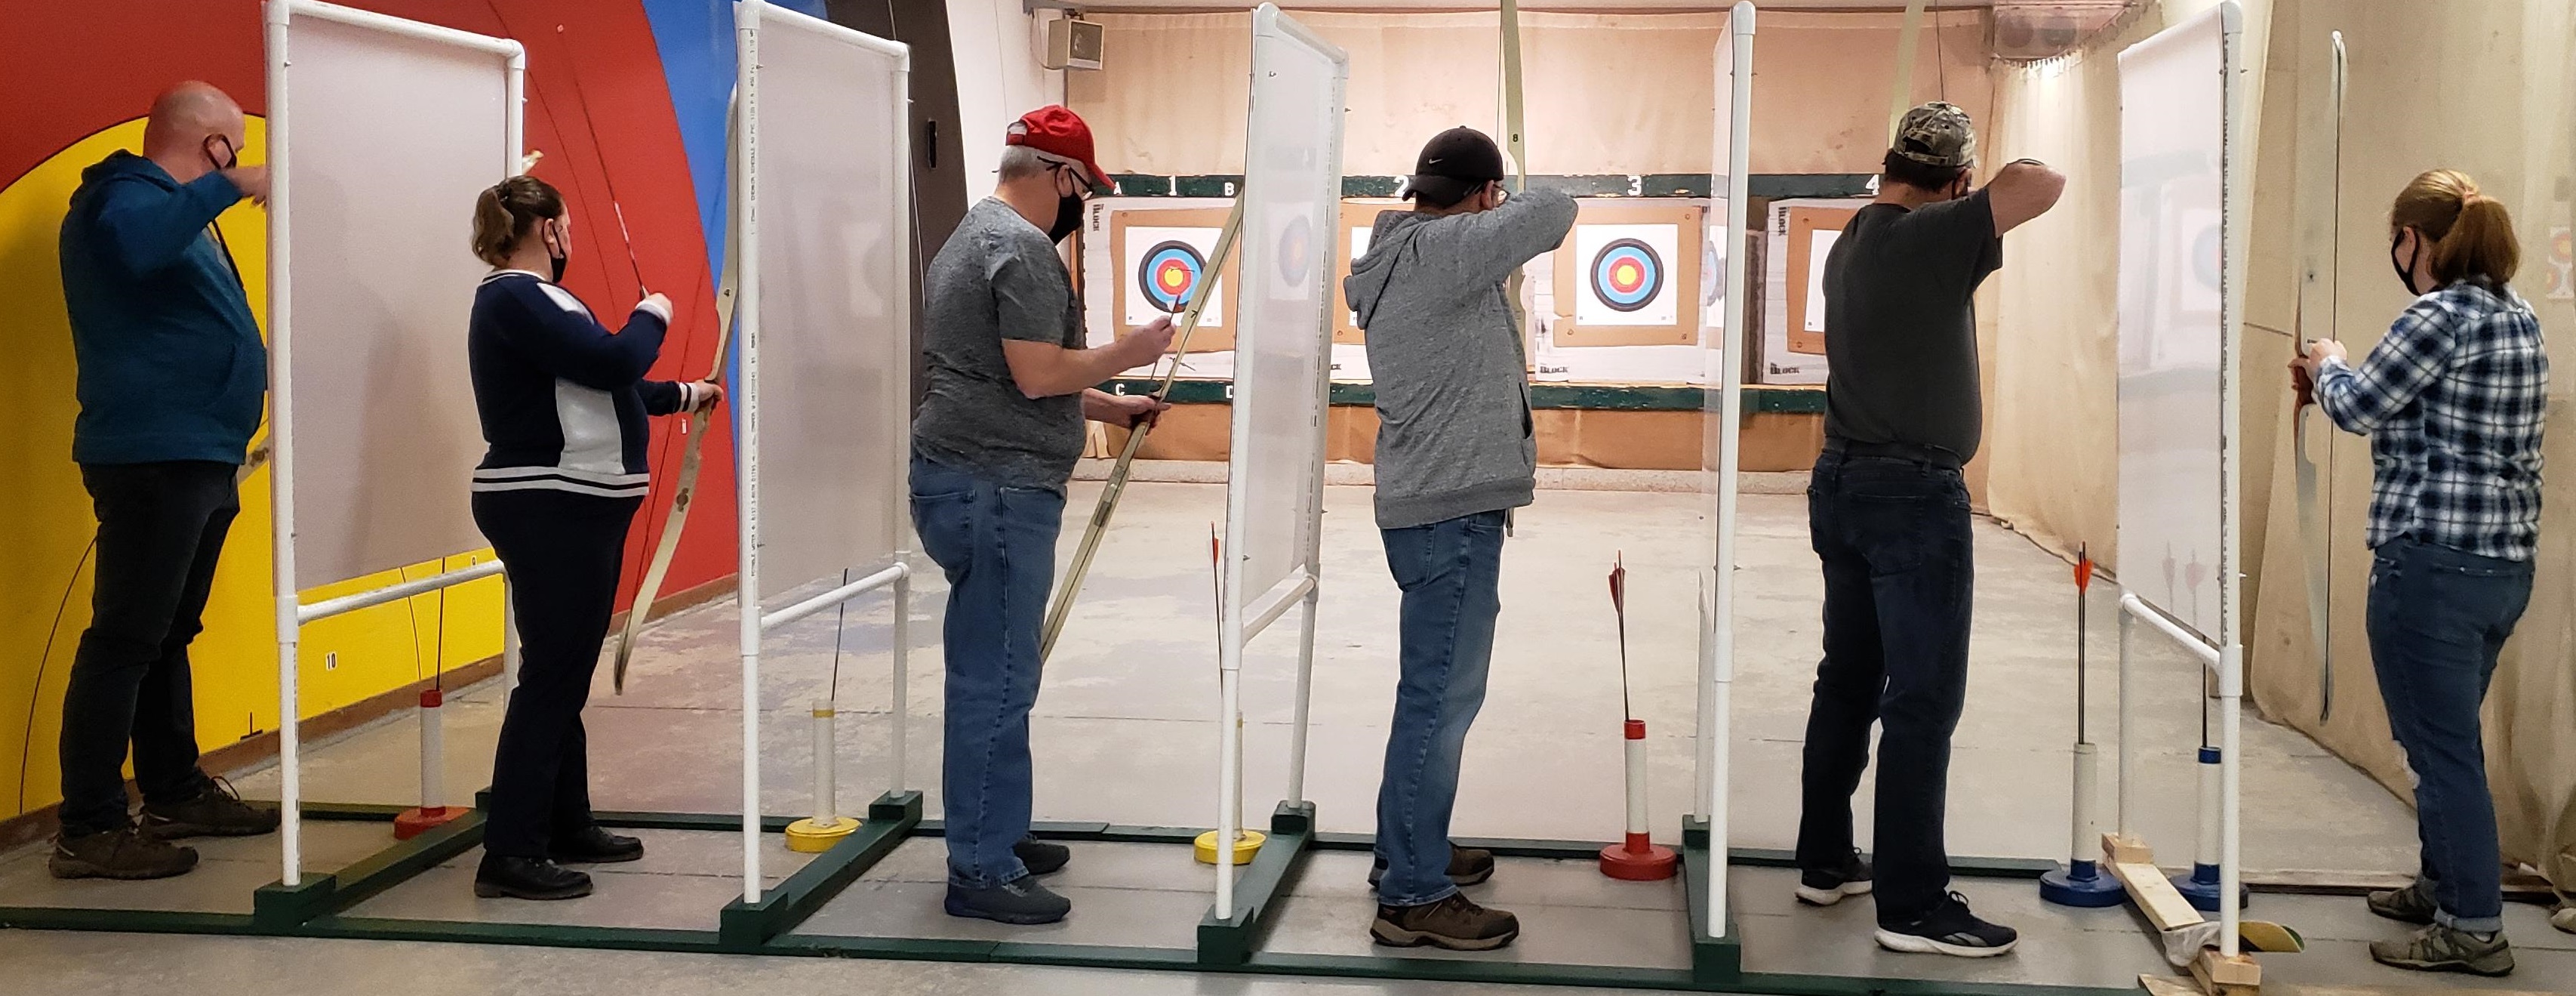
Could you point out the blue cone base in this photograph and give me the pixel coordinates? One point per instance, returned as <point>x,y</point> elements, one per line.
<point>2201,888</point>
<point>2082,885</point>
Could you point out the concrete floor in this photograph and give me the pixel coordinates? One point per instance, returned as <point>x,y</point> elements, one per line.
<point>1126,733</point>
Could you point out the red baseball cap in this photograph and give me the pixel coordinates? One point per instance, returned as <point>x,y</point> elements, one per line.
<point>1058,135</point>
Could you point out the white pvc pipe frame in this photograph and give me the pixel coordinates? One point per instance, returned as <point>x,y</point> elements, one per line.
<point>2225,658</point>
<point>292,613</point>
<point>1717,643</point>
<point>745,177</point>
<point>1238,620</point>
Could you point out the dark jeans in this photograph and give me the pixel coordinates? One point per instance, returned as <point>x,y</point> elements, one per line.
<point>160,533</point>
<point>2437,618</point>
<point>996,542</point>
<point>1899,576</point>
<point>1450,573</point>
<point>561,551</point>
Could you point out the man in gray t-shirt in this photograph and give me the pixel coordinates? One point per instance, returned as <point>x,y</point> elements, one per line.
<point>1887,511</point>
<point>1000,426</point>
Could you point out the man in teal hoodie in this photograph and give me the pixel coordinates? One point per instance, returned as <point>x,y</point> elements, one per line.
<point>1454,456</point>
<point>172,371</point>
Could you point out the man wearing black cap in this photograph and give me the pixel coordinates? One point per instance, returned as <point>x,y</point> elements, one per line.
<point>1454,455</point>
<point>1888,514</point>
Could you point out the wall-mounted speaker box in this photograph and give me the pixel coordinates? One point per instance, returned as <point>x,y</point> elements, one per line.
<point>1073,43</point>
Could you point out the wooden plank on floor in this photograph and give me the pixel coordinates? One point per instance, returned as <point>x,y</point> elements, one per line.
<point>2155,896</point>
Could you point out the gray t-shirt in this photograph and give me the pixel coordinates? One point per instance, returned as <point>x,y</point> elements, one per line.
<point>997,278</point>
<point>1901,324</point>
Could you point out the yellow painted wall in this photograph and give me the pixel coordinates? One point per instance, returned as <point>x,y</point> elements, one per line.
<point>46,529</point>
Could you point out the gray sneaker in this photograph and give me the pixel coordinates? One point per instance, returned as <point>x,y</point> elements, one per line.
<point>123,853</point>
<point>2447,949</point>
<point>1022,902</point>
<point>2412,904</point>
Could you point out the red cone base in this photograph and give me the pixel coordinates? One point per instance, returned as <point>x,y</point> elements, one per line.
<point>1638,860</point>
<point>415,821</point>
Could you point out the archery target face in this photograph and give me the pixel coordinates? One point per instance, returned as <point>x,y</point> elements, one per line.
<point>1624,275</point>
<point>1164,268</point>
<point>1292,254</point>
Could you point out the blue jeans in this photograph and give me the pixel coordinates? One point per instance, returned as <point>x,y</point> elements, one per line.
<point>2437,619</point>
<point>1450,573</point>
<point>996,543</point>
<point>1899,579</point>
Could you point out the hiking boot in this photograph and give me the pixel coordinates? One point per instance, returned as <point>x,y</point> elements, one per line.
<point>216,812</point>
<point>1827,886</point>
<point>1042,858</point>
<point>1020,901</point>
<point>2447,949</point>
<point>124,853</point>
<point>1467,866</point>
<point>1455,923</point>
<point>594,845</point>
<point>528,878</point>
<point>1951,930</point>
<point>2412,904</point>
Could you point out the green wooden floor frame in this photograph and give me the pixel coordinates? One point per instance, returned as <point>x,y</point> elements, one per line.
<point>319,907</point>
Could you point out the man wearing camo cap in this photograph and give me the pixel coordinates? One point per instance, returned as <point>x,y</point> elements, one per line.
<point>1888,514</point>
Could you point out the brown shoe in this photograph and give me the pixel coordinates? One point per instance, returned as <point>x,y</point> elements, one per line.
<point>124,853</point>
<point>1455,923</point>
<point>216,812</point>
<point>1467,866</point>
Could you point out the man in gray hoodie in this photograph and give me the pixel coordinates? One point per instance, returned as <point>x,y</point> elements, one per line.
<point>1454,455</point>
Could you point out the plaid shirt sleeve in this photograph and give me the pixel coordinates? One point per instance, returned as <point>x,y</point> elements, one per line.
<point>2407,360</point>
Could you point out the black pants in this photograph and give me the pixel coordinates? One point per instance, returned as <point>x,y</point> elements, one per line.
<point>160,532</point>
<point>561,551</point>
<point>1893,536</point>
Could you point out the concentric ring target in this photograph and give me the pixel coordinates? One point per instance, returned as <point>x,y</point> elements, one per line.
<point>1169,274</point>
<point>1296,251</point>
<point>1627,275</point>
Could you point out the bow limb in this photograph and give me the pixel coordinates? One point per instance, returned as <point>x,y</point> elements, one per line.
<point>691,454</point>
<point>1062,608</point>
<point>1518,146</point>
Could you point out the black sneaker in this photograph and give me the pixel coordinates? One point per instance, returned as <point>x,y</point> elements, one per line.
<point>1021,901</point>
<point>1467,866</point>
<point>1951,930</point>
<point>1827,886</point>
<point>1455,923</point>
<point>528,878</point>
<point>2447,949</point>
<point>1042,858</point>
<point>216,812</point>
<point>594,845</point>
<point>124,853</point>
<point>2412,904</point>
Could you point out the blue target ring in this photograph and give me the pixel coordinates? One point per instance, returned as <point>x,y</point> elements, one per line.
<point>1627,275</point>
<point>1169,274</point>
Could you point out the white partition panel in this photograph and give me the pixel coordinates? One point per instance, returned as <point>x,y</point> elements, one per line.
<point>394,135</point>
<point>834,283</point>
<point>1291,203</point>
<point>2171,328</point>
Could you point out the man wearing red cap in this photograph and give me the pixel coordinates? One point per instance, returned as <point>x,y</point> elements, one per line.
<point>1009,385</point>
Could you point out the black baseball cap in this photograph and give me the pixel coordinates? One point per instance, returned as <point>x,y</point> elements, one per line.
<point>1455,162</point>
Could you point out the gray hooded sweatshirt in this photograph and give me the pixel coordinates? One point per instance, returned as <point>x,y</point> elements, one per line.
<point>1452,380</point>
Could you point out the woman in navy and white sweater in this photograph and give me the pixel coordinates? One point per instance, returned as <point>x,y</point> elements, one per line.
<point>563,402</point>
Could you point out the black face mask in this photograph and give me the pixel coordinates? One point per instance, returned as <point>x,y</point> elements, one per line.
<point>2405,274</point>
<point>1068,217</point>
<point>559,259</point>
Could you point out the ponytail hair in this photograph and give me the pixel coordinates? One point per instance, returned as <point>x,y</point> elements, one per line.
<point>506,212</point>
<point>2469,233</point>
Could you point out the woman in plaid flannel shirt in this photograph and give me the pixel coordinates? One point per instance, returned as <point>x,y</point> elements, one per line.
<point>2452,399</point>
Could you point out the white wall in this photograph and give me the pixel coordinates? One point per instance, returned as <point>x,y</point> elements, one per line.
<point>998,79</point>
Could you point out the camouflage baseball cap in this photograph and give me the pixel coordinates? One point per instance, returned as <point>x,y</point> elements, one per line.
<point>1936,134</point>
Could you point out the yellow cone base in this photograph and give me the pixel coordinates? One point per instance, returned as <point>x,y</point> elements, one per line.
<point>808,837</point>
<point>1244,847</point>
